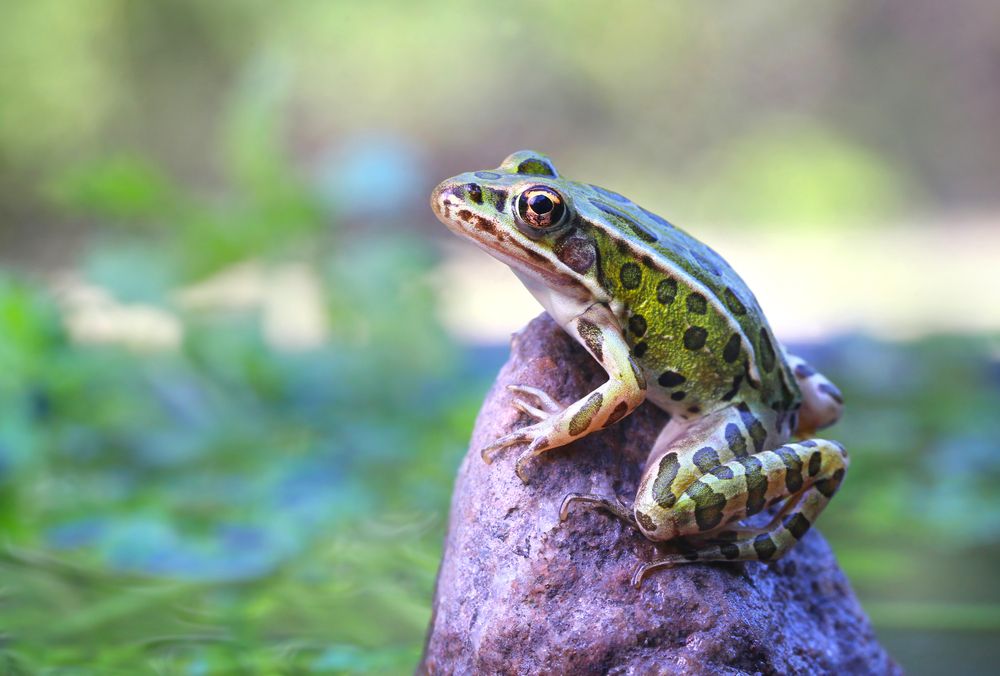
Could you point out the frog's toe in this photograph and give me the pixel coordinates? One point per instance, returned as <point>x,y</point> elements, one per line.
<point>534,435</point>
<point>518,437</point>
<point>643,571</point>
<point>538,444</point>
<point>543,400</point>
<point>525,407</point>
<point>616,507</point>
<point>520,467</point>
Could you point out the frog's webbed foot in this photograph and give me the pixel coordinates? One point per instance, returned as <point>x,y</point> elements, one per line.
<point>616,507</point>
<point>544,405</point>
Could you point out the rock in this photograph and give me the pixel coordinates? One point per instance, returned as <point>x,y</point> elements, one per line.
<point>521,593</point>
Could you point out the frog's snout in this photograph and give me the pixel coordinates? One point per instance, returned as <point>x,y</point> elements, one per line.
<point>445,199</point>
<point>444,196</point>
<point>451,202</point>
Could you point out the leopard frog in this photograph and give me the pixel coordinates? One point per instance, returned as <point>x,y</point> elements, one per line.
<point>670,322</point>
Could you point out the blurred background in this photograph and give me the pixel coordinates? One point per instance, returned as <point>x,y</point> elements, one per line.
<point>240,360</point>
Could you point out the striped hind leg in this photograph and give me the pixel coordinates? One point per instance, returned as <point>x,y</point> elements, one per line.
<point>806,473</point>
<point>681,453</point>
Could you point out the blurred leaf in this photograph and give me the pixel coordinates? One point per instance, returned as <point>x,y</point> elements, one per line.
<point>132,272</point>
<point>123,189</point>
<point>953,616</point>
<point>794,172</point>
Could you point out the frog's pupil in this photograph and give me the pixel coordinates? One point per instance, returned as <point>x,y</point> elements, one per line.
<point>540,204</point>
<point>539,209</point>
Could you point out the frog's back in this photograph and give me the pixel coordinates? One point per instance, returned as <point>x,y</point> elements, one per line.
<point>690,319</point>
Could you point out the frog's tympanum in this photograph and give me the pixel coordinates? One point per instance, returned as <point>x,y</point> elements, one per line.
<point>672,323</point>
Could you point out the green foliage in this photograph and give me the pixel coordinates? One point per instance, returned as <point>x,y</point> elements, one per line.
<point>225,506</point>
<point>170,79</point>
<point>228,504</point>
<point>122,189</point>
<point>267,210</point>
<point>302,618</point>
<point>796,173</point>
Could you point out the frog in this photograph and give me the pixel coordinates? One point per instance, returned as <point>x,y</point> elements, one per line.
<point>671,323</point>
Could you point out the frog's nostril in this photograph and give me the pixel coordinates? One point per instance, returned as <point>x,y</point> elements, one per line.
<point>474,192</point>
<point>444,196</point>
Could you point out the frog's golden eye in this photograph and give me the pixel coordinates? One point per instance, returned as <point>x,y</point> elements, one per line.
<point>541,208</point>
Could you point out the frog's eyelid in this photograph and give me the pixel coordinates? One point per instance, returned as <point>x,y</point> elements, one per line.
<point>536,166</point>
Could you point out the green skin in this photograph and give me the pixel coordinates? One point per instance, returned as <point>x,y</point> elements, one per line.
<point>671,322</point>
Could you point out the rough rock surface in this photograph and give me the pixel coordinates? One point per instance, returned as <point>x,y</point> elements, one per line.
<point>521,593</point>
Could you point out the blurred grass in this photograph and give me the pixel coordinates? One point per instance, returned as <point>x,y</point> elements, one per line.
<point>226,506</point>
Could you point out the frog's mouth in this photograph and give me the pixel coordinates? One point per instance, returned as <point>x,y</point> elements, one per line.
<point>449,204</point>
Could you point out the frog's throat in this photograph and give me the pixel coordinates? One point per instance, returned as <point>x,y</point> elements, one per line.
<point>563,305</point>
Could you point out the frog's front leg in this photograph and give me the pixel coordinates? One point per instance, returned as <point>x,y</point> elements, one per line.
<point>599,332</point>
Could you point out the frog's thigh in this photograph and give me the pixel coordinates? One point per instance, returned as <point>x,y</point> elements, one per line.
<point>681,454</point>
<point>810,471</point>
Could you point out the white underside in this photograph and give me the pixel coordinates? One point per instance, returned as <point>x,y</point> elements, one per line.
<point>561,307</point>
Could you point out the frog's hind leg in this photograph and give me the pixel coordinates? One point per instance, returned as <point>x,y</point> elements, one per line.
<point>717,438</point>
<point>809,473</point>
<point>822,402</point>
<point>742,532</point>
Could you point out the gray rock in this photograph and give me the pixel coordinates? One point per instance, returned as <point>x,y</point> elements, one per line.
<point>521,593</point>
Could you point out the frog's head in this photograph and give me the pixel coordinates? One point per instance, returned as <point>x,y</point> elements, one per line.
<point>522,213</point>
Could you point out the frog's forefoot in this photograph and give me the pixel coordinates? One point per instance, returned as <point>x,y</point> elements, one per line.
<point>542,407</point>
<point>516,437</point>
<point>533,435</point>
